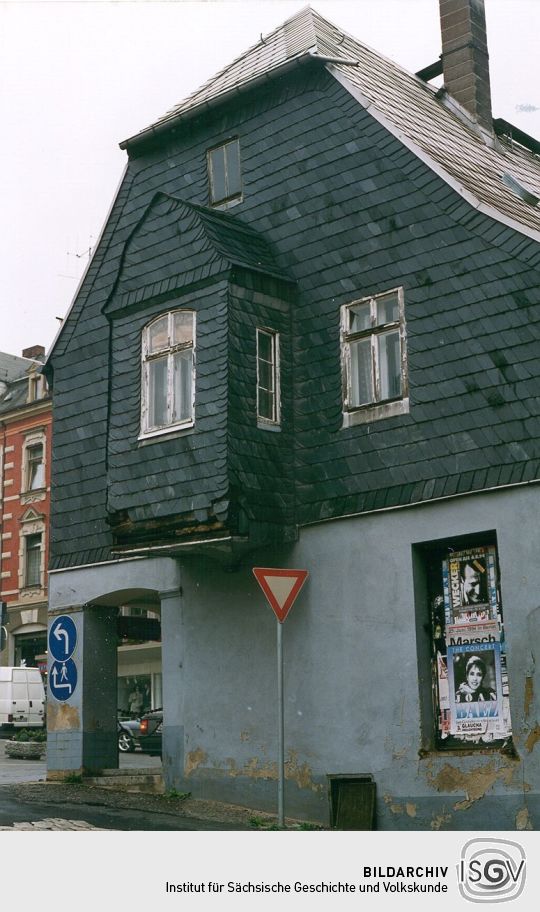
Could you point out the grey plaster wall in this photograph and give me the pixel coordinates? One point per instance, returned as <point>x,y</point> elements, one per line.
<point>352,693</point>
<point>352,672</point>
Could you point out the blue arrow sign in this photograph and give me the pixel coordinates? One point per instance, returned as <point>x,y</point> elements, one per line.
<point>62,638</point>
<point>63,679</point>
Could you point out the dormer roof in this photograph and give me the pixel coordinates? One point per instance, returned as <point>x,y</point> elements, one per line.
<point>485,170</point>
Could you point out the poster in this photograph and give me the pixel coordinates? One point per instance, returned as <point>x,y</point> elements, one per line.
<point>470,586</point>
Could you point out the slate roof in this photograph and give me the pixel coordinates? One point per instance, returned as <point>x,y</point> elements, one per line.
<point>14,371</point>
<point>176,243</point>
<point>12,367</point>
<point>431,125</point>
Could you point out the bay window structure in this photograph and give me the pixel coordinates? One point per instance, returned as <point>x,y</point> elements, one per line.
<point>374,358</point>
<point>168,373</point>
<point>268,405</point>
<point>224,173</point>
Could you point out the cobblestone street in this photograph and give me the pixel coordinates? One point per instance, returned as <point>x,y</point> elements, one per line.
<point>52,823</point>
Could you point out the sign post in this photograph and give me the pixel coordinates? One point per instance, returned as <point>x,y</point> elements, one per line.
<point>281,588</point>
<point>63,673</point>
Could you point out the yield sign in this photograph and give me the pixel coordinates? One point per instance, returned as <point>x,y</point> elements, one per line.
<point>280,588</point>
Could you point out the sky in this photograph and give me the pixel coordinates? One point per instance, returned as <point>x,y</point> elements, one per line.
<point>76,78</point>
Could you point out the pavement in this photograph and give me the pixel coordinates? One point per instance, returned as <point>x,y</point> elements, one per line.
<point>29,802</point>
<point>14,771</point>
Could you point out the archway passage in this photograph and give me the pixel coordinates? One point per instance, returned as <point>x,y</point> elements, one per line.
<point>115,614</point>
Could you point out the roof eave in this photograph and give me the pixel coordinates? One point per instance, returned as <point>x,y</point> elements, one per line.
<point>465,193</point>
<point>168,123</point>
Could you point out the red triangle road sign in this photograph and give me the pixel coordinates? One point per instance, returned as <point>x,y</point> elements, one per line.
<point>280,588</point>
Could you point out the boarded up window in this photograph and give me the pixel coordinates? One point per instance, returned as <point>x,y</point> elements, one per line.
<point>470,680</point>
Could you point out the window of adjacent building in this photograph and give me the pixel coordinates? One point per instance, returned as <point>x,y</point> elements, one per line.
<point>35,467</point>
<point>374,355</point>
<point>36,387</point>
<point>224,172</point>
<point>168,387</point>
<point>32,563</point>
<point>268,376</point>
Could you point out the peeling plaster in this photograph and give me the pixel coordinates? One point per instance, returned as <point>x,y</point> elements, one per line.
<point>194,760</point>
<point>529,693</point>
<point>523,821</point>
<point>411,809</point>
<point>439,821</point>
<point>395,808</point>
<point>475,783</point>
<point>61,717</point>
<point>245,736</point>
<point>299,773</point>
<point>532,738</point>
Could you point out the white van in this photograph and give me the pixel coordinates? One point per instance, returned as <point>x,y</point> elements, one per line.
<point>22,697</point>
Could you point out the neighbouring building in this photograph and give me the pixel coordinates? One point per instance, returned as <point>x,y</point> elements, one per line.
<point>308,338</point>
<point>25,478</point>
<point>25,490</point>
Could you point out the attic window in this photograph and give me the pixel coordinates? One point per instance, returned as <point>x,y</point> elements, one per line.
<point>224,176</point>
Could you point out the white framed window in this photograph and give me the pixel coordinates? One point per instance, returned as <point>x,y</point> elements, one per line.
<point>32,559</point>
<point>268,387</point>
<point>168,373</point>
<point>224,174</point>
<point>374,358</point>
<point>33,465</point>
<point>34,475</point>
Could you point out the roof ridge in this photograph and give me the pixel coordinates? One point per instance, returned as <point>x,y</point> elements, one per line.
<point>281,39</point>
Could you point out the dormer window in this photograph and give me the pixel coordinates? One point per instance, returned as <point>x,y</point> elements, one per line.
<point>224,174</point>
<point>168,373</point>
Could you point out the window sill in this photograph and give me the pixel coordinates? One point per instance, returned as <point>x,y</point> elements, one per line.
<point>174,431</point>
<point>30,496</point>
<point>227,203</point>
<point>369,413</point>
<point>268,425</point>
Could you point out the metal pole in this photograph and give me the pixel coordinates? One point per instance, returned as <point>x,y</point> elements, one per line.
<point>281,728</point>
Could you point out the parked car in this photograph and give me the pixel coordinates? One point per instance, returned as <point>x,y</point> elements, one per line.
<point>128,734</point>
<point>150,732</point>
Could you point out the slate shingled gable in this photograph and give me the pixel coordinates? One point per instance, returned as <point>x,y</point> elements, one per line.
<point>347,211</point>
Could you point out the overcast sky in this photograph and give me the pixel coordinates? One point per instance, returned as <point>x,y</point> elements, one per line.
<point>76,78</point>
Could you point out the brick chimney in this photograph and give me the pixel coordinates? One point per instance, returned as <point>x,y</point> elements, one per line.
<point>465,57</point>
<point>35,352</point>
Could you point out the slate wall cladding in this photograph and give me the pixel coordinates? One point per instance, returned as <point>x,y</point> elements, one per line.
<point>260,459</point>
<point>350,212</point>
<point>184,473</point>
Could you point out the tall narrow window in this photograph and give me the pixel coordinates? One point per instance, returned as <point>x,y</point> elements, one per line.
<point>32,566</point>
<point>224,173</point>
<point>168,372</point>
<point>374,355</point>
<point>35,468</point>
<point>268,406</point>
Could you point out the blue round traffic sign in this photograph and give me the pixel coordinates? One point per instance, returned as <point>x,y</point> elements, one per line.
<point>62,638</point>
<point>63,679</point>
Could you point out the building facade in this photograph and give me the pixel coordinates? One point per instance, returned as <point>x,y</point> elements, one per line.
<point>25,471</point>
<point>308,339</point>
